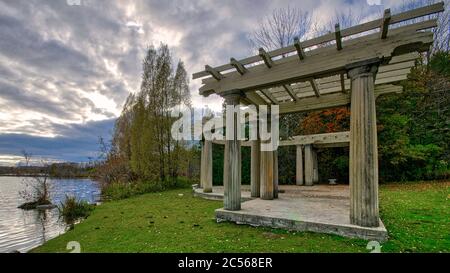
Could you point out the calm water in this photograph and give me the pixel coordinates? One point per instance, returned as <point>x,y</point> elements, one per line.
<point>24,230</point>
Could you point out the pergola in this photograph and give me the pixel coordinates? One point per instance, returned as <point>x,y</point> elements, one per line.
<point>348,66</point>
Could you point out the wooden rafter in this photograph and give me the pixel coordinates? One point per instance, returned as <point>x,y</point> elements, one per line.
<point>254,98</point>
<point>240,68</point>
<point>342,79</point>
<point>291,92</point>
<point>299,48</point>
<point>269,96</point>
<point>315,87</point>
<point>386,22</point>
<point>214,73</point>
<point>337,32</point>
<point>266,58</point>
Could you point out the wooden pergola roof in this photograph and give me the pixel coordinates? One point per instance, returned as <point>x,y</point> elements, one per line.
<point>312,74</point>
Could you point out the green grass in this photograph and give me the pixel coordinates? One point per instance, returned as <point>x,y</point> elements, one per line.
<point>416,216</point>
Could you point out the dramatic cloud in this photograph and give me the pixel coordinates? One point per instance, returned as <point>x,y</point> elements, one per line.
<point>66,70</point>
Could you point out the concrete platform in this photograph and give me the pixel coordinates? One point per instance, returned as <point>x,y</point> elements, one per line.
<point>320,208</point>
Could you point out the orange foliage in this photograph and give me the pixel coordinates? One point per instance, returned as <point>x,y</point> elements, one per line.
<point>327,121</point>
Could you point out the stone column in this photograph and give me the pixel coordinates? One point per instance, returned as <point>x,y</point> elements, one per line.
<point>275,174</point>
<point>309,165</point>
<point>232,160</point>
<point>363,145</point>
<point>207,158</point>
<point>299,166</point>
<point>255,169</point>
<point>202,165</point>
<point>267,168</point>
<point>267,175</point>
<point>316,167</point>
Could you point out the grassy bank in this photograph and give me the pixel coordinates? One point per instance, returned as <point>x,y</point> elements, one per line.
<point>415,214</point>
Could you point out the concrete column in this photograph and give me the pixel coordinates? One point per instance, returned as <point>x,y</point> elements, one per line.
<point>316,167</point>
<point>207,158</point>
<point>232,160</point>
<point>267,175</point>
<point>275,174</point>
<point>309,165</point>
<point>363,145</point>
<point>255,169</point>
<point>202,165</point>
<point>299,166</point>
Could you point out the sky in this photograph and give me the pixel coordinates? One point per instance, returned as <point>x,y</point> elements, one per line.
<point>67,66</point>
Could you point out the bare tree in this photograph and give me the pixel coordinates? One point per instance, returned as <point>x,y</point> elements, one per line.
<point>280,28</point>
<point>27,157</point>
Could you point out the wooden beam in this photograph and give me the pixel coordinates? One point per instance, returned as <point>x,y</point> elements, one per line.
<point>240,68</point>
<point>337,31</point>
<point>330,100</point>
<point>329,138</point>
<point>266,58</point>
<point>315,87</point>
<point>291,92</point>
<point>254,98</point>
<point>385,25</point>
<point>269,96</point>
<point>214,73</point>
<point>343,83</point>
<point>299,48</point>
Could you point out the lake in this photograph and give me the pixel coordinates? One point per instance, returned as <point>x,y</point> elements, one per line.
<point>24,230</point>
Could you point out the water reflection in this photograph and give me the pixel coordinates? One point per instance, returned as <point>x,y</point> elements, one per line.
<point>23,230</point>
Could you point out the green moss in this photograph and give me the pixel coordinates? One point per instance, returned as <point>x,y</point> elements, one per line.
<point>416,215</point>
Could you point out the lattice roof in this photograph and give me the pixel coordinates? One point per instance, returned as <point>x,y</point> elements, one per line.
<point>312,75</point>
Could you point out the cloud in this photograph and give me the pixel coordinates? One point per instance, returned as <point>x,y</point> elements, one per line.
<point>77,143</point>
<point>64,66</point>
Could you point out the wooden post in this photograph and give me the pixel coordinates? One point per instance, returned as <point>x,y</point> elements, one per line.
<point>232,161</point>
<point>275,174</point>
<point>299,166</point>
<point>255,169</point>
<point>207,157</point>
<point>363,145</point>
<point>309,166</point>
<point>316,167</point>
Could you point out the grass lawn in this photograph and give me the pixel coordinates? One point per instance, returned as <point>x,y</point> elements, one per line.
<point>417,216</point>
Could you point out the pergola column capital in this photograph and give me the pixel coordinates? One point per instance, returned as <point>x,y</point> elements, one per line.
<point>232,97</point>
<point>363,68</point>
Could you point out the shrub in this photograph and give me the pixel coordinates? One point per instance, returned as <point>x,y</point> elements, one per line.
<point>73,209</point>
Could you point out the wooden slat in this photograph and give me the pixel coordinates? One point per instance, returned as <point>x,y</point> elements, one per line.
<point>291,93</point>
<point>299,48</point>
<point>432,9</point>
<point>315,87</point>
<point>253,97</point>
<point>342,76</point>
<point>269,96</point>
<point>337,32</point>
<point>239,67</point>
<point>416,13</point>
<point>385,25</point>
<point>214,73</point>
<point>265,57</point>
<point>328,101</point>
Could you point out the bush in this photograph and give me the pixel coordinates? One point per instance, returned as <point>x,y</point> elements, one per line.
<point>73,209</point>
